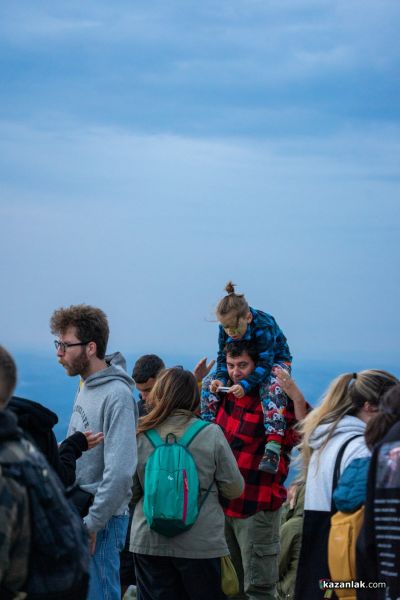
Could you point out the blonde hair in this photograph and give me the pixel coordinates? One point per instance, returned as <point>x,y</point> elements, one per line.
<point>174,389</point>
<point>346,395</point>
<point>232,302</point>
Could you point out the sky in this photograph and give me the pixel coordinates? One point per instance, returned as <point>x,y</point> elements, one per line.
<point>150,151</point>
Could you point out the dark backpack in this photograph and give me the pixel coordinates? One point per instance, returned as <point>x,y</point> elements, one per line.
<point>59,553</point>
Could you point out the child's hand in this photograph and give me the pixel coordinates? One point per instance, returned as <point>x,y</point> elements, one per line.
<point>237,391</point>
<point>214,385</point>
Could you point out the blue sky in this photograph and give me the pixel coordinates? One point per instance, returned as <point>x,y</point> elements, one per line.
<point>150,151</point>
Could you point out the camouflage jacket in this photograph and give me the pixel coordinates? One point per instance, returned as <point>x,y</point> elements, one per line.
<point>14,513</point>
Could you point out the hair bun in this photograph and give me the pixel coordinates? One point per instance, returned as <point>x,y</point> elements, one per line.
<point>230,287</point>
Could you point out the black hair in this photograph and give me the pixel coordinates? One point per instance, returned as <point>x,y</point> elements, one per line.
<point>146,367</point>
<point>236,349</point>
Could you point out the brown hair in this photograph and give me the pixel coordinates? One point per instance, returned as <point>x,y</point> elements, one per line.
<point>345,396</point>
<point>174,389</point>
<point>387,415</point>
<point>232,302</point>
<point>8,376</point>
<point>90,322</point>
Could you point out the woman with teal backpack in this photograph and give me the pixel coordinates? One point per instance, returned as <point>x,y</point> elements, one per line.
<point>177,534</point>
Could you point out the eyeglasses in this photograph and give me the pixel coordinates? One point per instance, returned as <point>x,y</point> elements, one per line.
<point>63,346</point>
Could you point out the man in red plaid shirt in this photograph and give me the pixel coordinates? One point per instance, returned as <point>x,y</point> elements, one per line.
<point>252,521</point>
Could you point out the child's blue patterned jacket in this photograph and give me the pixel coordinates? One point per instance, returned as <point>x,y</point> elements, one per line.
<point>271,345</point>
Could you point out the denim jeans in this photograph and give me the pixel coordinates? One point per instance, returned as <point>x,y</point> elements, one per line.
<point>104,565</point>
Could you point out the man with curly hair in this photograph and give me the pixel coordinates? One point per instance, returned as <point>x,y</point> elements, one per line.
<point>104,403</point>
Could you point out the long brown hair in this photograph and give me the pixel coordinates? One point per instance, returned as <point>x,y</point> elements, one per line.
<point>232,302</point>
<point>387,415</point>
<point>174,389</point>
<point>345,396</point>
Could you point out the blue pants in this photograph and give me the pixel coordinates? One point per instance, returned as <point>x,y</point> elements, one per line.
<point>104,581</point>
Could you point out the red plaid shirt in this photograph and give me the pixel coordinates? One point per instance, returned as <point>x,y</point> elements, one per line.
<point>241,420</point>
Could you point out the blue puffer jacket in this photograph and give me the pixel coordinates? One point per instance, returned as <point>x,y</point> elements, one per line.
<point>351,491</point>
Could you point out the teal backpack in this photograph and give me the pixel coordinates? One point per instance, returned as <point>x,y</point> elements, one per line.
<point>171,483</point>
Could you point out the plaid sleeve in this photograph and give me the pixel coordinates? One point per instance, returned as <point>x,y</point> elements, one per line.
<point>221,370</point>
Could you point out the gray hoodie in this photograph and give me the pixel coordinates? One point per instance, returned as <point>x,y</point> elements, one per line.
<point>320,471</point>
<point>105,403</point>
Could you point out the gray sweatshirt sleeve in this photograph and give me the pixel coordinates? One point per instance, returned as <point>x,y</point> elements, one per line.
<point>229,480</point>
<point>120,459</point>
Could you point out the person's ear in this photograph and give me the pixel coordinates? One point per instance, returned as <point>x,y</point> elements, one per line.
<point>370,408</point>
<point>91,349</point>
<point>249,317</point>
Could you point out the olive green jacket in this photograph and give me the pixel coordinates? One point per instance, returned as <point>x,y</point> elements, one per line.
<point>215,463</point>
<point>290,533</point>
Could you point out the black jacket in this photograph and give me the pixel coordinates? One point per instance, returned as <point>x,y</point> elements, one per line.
<point>37,423</point>
<point>378,545</point>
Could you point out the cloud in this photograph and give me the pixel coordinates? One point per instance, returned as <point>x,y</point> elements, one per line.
<point>150,227</point>
<point>151,151</point>
<point>203,68</point>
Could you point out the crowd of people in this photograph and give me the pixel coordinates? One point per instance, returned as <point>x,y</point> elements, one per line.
<point>162,492</point>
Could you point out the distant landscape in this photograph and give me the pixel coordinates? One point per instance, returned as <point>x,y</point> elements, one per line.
<point>42,379</point>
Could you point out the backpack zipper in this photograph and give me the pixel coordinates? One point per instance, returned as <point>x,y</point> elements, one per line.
<point>185,495</point>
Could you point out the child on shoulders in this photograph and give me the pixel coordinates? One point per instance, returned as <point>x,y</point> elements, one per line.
<point>239,321</point>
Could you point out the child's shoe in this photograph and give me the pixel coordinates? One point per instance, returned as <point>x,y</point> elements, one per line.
<point>269,462</point>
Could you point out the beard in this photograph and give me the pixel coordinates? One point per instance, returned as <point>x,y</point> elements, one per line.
<point>78,365</point>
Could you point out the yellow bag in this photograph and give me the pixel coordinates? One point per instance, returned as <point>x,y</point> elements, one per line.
<point>229,578</point>
<point>343,534</point>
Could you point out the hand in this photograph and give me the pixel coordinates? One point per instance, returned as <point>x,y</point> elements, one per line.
<point>237,391</point>
<point>92,543</point>
<point>214,385</point>
<point>289,386</point>
<point>202,369</point>
<point>284,380</point>
<point>93,439</point>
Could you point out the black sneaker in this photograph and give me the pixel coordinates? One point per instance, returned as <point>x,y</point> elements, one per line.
<point>269,462</point>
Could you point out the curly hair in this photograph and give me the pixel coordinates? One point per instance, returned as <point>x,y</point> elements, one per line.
<point>90,322</point>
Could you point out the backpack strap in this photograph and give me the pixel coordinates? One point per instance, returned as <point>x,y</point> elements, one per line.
<point>154,438</point>
<point>187,438</point>
<point>192,431</point>
<point>336,470</point>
